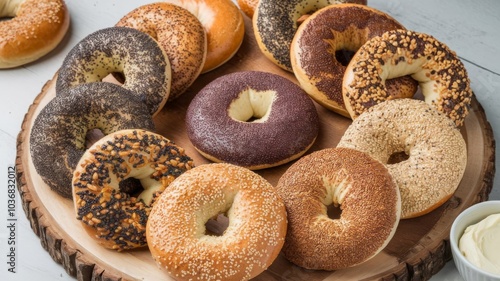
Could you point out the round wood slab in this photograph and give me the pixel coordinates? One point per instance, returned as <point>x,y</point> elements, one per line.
<point>418,250</point>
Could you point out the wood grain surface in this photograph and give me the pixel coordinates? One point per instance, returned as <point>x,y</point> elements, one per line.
<point>418,250</point>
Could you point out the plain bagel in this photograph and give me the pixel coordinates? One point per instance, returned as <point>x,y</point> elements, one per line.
<point>248,6</point>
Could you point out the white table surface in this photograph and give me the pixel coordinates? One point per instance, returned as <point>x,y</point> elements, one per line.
<point>471,28</point>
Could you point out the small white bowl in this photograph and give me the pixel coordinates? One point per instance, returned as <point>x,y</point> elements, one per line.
<point>471,215</point>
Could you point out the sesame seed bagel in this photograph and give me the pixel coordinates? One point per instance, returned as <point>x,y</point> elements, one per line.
<point>123,50</point>
<point>223,23</point>
<point>321,39</point>
<point>252,119</point>
<point>435,150</point>
<point>368,199</point>
<point>441,75</point>
<point>181,36</point>
<point>115,219</point>
<point>34,29</point>
<point>275,24</point>
<point>57,139</point>
<point>178,238</point>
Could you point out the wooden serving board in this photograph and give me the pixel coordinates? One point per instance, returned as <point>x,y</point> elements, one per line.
<point>418,250</point>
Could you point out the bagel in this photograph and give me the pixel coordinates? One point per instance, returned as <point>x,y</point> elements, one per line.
<point>176,232</point>
<point>181,36</point>
<point>337,29</point>
<point>441,75</point>
<point>34,29</point>
<point>224,26</point>
<point>248,6</point>
<point>57,139</point>
<point>434,152</point>
<point>123,50</point>
<point>364,191</point>
<point>115,219</point>
<point>275,24</point>
<point>252,119</point>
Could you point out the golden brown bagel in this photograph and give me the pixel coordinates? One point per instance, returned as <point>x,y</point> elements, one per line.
<point>224,25</point>
<point>176,231</point>
<point>248,6</point>
<point>36,27</point>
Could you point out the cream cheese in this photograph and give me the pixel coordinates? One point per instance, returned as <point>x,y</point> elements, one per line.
<point>480,244</point>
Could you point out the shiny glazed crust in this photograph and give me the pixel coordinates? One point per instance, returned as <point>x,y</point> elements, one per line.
<point>116,219</point>
<point>36,28</point>
<point>275,24</point>
<point>181,36</point>
<point>223,24</point>
<point>251,242</point>
<point>364,191</point>
<point>248,7</point>
<point>57,139</point>
<point>436,151</point>
<point>338,28</point>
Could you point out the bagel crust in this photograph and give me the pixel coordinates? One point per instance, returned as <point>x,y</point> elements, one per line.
<point>181,36</point>
<point>275,24</point>
<point>253,119</point>
<point>248,6</point>
<point>368,198</point>
<point>250,243</point>
<point>223,23</point>
<point>57,140</point>
<point>36,27</point>
<point>334,29</point>
<point>124,50</point>
<point>436,151</point>
<point>441,75</point>
<point>115,219</point>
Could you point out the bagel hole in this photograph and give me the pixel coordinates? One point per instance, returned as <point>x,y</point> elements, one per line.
<point>115,78</point>
<point>131,186</point>
<point>92,136</point>
<point>398,157</point>
<point>251,106</point>
<point>344,56</point>
<point>333,211</point>
<point>217,225</point>
<point>5,18</point>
